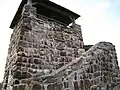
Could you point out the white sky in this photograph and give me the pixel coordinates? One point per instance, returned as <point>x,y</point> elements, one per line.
<point>100,21</point>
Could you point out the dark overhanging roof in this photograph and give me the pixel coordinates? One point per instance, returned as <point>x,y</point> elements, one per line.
<point>48,9</point>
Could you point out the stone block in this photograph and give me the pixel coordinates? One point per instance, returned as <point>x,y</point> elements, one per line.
<point>37,61</point>
<point>76,87</point>
<point>32,71</point>
<point>21,87</point>
<point>63,53</point>
<point>60,46</point>
<point>37,87</point>
<point>21,75</point>
<point>51,87</point>
<point>17,82</point>
<point>15,88</point>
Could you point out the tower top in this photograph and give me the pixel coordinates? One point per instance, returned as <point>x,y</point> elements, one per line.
<point>48,9</point>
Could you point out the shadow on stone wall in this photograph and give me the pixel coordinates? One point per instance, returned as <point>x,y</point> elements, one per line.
<point>86,47</point>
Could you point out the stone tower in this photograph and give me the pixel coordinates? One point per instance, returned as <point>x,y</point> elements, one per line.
<point>45,53</point>
<point>41,42</point>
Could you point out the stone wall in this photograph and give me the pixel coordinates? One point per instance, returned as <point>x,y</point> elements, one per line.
<point>95,69</point>
<point>47,55</point>
<point>39,45</point>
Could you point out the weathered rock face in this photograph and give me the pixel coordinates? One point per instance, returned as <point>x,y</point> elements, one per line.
<point>46,55</point>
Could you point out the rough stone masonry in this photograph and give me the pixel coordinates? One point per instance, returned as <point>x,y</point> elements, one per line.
<point>46,54</point>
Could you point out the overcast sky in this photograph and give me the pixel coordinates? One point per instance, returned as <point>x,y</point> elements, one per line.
<point>100,21</point>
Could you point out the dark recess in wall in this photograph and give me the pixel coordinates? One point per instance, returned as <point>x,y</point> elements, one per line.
<point>86,47</point>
